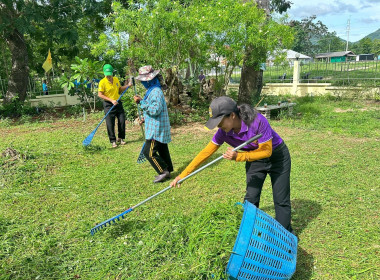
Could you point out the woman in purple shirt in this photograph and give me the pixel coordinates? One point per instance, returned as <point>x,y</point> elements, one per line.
<point>267,155</point>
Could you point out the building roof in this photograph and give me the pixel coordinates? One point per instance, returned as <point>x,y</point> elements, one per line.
<point>290,54</point>
<point>335,54</point>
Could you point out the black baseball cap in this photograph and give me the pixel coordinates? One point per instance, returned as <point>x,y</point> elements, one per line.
<point>220,107</point>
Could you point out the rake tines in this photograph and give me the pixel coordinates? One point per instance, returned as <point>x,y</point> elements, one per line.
<point>88,139</point>
<point>141,157</point>
<point>109,221</point>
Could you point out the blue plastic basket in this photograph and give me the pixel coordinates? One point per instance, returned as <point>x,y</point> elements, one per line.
<point>264,249</point>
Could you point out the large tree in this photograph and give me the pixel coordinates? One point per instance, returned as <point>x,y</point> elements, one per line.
<point>171,33</point>
<point>42,21</point>
<point>376,47</point>
<point>307,34</point>
<point>256,52</point>
<point>329,43</point>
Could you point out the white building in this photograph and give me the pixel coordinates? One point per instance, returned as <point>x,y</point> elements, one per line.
<point>290,56</point>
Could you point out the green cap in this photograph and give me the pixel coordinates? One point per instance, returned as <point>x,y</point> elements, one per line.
<point>108,70</point>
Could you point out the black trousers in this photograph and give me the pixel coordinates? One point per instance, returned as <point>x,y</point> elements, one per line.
<point>117,112</point>
<point>278,167</point>
<point>158,155</point>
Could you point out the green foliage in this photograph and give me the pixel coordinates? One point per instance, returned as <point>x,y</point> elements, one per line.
<point>176,116</point>
<point>308,31</point>
<point>59,26</point>
<point>366,46</point>
<point>329,42</point>
<point>16,109</point>
<point>166,33</point>
<point>192,85</point>
<point>84,71</point>
<point>74,110</point>
<point>129,105</point>
<point>376,47</point>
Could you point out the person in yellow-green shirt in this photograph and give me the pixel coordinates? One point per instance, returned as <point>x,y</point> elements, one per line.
<point>109,90</point>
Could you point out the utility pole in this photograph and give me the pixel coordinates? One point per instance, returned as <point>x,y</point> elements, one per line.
<point>348,33</point>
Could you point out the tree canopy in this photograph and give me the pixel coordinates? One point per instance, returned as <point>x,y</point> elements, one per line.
<point>170,33</point>
<point>30,28</point>
<point>164,33</point>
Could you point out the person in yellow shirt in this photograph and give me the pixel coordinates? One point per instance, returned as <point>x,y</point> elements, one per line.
<point>109,90</point>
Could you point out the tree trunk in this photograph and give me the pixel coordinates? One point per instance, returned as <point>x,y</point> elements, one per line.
<point>175,87</point>
<point>250,84</point>
<point>132,67</point>
<point>18,80</point>
<point>251,81</point>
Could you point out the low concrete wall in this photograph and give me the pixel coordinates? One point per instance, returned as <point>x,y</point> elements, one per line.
<point>316,89</point>
<point>298,90</point>
<point>55,100</point>
<point>303,89</point>
<point>320,89</point>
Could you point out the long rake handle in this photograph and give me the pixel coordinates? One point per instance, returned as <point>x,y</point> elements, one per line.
<point>88,139</point>
<point>112,107</point>
<point>138,107</point>
<point>113,219</point>
<point>197,171</point>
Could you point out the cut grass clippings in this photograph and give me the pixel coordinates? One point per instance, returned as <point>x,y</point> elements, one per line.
<point>53,191</point>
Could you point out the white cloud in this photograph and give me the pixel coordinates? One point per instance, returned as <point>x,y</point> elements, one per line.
<point>364,15</point>
<point>371,1</point>
<point>323,9</point>
<point>371,19</point>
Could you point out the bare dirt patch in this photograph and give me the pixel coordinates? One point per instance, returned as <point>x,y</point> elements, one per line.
<point>368,106</point>
<point>338,110</point>
<point>192,128</point>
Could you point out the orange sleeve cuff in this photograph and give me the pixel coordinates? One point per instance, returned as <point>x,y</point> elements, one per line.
<point>263,151</point>
<point>199,159</point>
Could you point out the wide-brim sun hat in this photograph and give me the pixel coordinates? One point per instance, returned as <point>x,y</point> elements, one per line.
<point>220,107</point>
<point>147,73</point>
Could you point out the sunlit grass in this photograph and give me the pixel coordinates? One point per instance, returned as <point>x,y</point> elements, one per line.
<point>55,191</point>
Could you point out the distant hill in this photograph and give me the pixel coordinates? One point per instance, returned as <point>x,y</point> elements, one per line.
<point>374,35</point>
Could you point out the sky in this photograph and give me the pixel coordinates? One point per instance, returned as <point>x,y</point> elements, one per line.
<point>364,15</point>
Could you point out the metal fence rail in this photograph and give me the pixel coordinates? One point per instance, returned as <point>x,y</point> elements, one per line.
<point>34,87</point>
<point>341,73</point>
<point>338,73</point>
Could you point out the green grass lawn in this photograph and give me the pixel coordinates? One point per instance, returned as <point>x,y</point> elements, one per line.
<point>53,191</point>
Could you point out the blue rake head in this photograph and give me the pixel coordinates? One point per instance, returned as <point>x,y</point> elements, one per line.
<point>109,221</point>
<point>88,139</point>
<point>141,157</point>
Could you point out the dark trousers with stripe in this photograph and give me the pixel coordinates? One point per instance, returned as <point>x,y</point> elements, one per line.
<point>278,167</point>
<point>158,155</point>
<point>117,112</point>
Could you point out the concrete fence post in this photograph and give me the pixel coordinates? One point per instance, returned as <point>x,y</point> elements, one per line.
<point>296,76</point>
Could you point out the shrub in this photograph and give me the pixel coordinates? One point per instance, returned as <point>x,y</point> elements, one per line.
<point>17,108</point>
<point>176,116</point>
<point>129,105</point>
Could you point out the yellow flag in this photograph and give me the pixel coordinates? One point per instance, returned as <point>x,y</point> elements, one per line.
<point>48,64</point>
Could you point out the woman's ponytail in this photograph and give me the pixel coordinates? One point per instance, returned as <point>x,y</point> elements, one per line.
<point>247,114</point>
